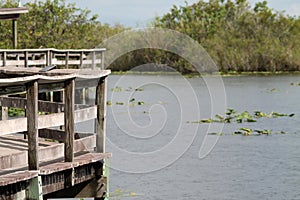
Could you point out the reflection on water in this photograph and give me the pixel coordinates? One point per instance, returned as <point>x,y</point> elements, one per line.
<point>239,167</point>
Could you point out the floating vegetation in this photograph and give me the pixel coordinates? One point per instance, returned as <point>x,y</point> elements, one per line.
<point>129,89</point>
<point>217,134</point>
<point>116,89</point>
<point>120,103</point>
<point>109,103</point>
<point>233,116</point>
<point>139,89</point>
<point>273,90</point>
<point>132,100</point>
<point>140,103</point>
<point>251,132</point>
<point>120,193</point>
<point>295,84</point>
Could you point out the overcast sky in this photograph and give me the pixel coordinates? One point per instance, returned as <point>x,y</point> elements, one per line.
<point>135,13</point>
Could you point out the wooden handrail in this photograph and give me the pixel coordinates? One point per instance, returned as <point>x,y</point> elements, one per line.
<point>51,56</point>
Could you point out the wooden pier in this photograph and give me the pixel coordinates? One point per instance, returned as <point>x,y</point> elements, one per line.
<point>41,154</point>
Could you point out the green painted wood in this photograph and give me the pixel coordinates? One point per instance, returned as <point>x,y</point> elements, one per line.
<point>35,191</point>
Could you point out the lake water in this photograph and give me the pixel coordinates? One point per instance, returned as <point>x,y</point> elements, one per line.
<point>156,147</point>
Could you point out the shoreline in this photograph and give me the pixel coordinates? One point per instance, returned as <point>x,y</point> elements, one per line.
<point>223,74</point>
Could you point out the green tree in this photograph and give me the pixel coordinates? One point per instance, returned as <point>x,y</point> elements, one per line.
<point>54,23</point>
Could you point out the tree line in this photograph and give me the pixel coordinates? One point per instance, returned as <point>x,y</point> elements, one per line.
<point>55,24</point>
<point>237,36</point>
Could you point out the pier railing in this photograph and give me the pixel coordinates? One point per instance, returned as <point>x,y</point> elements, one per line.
<point>77,58</point>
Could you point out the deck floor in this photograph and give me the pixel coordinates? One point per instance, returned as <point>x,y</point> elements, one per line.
<point>15,143</point>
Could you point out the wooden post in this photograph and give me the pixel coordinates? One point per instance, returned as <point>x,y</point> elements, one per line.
<point>15,33</point>
<point>101,92</point>
<point>69,129</point>
<point>32,125</point>
<point>81,59</point>
<point>67,59</point>
<point>35,191</point>
<point>3,113</point>
<point>93,60</point>
<point>69,119</point>
<point>26,59</point>
<point>102,60</point>
<point>4,59</point>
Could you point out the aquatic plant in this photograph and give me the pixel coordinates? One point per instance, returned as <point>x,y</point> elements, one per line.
<point>116,89</point>
<point>233,115</point>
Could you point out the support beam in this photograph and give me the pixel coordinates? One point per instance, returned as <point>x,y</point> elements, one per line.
<point>3,113</point>
<point>32,125</point>
<point>35,190</point>
<point>15,33</point>
<point>101,92</point>
<point>69,119</point>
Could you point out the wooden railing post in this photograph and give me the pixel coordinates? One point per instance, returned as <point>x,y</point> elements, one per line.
<point>69,119</point>
<point>35,185</point>
<point>32,125</point>
<point>81,59</point>
<point>4,58</point>
<point>69,129</point>
<point>26,59</point>
<point>102,60</point>
<point>67,59</point>
<point>101,92</point>
<point>93,60</point>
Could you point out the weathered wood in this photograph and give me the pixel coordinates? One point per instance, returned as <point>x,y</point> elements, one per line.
<point>32,125</point>
<point>16,160</point>
<point>17,177</point>
<point>46,121</point>
<point>101,92</point>
<point>26,59</point>
<point>53,152</point>
<point>43,106</point>
<point>67,59</point>
<point>4,59</point>
<point>46,57</point>
<point>52,134</point>
<point>3,112</point>
<point>81,59</point>
<point>15,33</point>
<point>69,119</point>
<point>35,191</point>
<point>102,61</point>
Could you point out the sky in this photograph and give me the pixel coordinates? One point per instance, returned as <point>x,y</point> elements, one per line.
<point>136,13</point>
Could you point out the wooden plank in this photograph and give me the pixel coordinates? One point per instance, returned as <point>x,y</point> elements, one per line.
<point>78,161</point>
<point>17,177</point>
<point>52,134</point>
<point>69,119</point>
<point>32,125</point>
<point>43,106</point>
<point>53,152</point>
<point>101,92</point>
<point>15,160</point>
<point>46,121</point>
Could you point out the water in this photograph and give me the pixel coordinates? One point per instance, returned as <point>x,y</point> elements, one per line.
<point>238,167</point>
